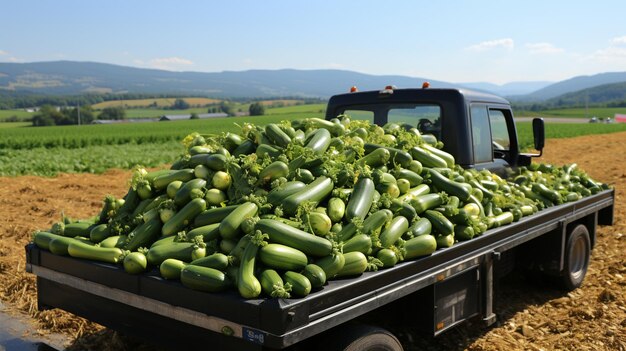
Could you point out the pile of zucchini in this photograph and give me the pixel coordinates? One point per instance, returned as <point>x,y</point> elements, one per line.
<point>278,210</point>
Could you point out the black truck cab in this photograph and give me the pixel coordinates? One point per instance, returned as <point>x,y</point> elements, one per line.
<point>477,128</point>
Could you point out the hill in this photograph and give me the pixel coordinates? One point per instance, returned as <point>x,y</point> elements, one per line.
<point>508,89</point>
<point>602,94</point>
<point>572,85</point>
<point>69,77</point>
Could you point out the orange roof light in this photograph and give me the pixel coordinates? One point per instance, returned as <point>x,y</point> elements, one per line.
<point>390,87</point>
<point>354,89</point>
<point>425,85</point>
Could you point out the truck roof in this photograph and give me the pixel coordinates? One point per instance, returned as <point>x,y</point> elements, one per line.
<point>416,95</point>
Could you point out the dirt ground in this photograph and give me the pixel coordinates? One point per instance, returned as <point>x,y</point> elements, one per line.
<point>531,316</point>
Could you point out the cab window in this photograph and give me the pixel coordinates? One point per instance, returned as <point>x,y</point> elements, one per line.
<point>481,134</point>
<point>360,114</point>
<point>425,117</point>
<point>499,131</point>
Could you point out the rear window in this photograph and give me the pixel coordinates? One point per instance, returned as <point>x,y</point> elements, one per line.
<point>425,117</point>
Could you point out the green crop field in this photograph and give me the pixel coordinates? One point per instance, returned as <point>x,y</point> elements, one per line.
<point>19,114</point>
<point>47,151</point>
<point>575,112</point>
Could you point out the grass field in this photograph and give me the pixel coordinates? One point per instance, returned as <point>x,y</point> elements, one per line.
<point>19,114</point>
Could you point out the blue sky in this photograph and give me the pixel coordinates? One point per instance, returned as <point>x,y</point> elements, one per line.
<point>455,41</point>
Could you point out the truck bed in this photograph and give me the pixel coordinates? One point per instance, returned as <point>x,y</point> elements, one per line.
<point>165,312</point>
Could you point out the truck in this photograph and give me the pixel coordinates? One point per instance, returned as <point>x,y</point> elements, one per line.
<point>433,293</point>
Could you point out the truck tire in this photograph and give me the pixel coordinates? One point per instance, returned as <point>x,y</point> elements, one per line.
<point>359,337</point>
<point>576,258</point>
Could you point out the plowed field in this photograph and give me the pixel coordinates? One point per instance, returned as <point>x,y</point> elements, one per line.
<point>532,316</point>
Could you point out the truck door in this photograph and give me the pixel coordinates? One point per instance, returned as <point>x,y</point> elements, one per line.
<point>491,136</point>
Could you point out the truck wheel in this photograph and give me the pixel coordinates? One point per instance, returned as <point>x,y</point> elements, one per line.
<point>358,337</point>
<point>576,260</point>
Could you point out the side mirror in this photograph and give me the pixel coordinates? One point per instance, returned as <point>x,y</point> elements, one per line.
<point>539,134</point>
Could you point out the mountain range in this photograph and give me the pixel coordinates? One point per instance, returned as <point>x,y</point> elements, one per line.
<point>71,78</point>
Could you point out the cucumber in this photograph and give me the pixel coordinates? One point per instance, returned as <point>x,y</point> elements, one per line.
<point>361,198</point>
<point>285,234</point>
<point>170,268</point>
<point>422,245</point>
<point>204,278</point>
<point>230,226</point>
<point>183,217</point>
<point>282,257</point>
<point>398,226</point>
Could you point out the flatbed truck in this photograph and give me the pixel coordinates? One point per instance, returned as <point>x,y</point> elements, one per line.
<point>433,293</point>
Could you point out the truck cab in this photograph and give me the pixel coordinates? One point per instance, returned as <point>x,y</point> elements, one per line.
<point>477,128</point>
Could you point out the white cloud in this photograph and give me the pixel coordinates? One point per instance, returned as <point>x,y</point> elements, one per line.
<point>169,63</point>
<point>610,54</point>
<point>334,65</point>
<point>2,53</point>
<point>543,48</point>
<point>506,43</point>
<point>619,40</point>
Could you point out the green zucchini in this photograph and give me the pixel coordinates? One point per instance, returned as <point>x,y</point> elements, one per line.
<point>230,226</point>
<point>183,217</point>
<point>248,285</point>
<point>320,141</point>
<point>278,194</point>
<point>171,267</point>
<point>397,156</point>
<point>422,245</point>
<point>60,245</point>
<point>213,215</point>
<point>247,147</point>
<point>387,257</point>
<point>183,251</point>
<point>444,241</point>
<point>426,202</point>
<point>315,274</point>
<point>355,264</point>
<point>361,243</point>
<point>285,234</point>
<point>114,241</point>
<point>217,261</point>
<point>183,194</point>
<point>413,178</point>
<point>78,229</point>
<point>207,232</point>
<point>277,135</point>
<point>361,198</point>
<point>421,227</point>
<point>447,157</point>
<point>331,264</point>
<point>79,249</point>
<point>144,235</point>
<point>419,190</point>
<point>336,209</point>
<point>204,278</point>
<point>426,158</point>
<point>183,175</point>
<point>376,158</point>
<point>463,232</point>
<point>440,223</point>
<point>282,257</point>
<point>135,263</point>
<point>300,285</point>
<point>99,233</point>
<point>216,162</point>
<point>272,284</point>
<point>397,227</point>
<point>265,149</point>
<point>314,192</point>
<point>449,186</point>
<point>273,171</point>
